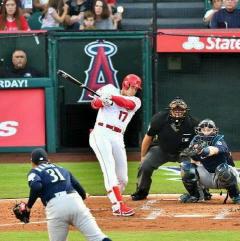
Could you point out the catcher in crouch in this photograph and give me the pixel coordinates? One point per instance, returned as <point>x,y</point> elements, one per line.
<point>208,163</point>
<point>63,197</point>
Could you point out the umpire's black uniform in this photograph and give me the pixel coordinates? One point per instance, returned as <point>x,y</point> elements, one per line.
<point>173,135</point>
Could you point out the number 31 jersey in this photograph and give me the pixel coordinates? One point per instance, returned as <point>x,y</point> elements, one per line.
<point>115,115</point>
<point>52,178</point>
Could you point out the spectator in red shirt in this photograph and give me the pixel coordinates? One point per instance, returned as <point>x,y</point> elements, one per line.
<point>11,18</point>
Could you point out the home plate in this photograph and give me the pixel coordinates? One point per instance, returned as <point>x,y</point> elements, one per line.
<point>192,215</point>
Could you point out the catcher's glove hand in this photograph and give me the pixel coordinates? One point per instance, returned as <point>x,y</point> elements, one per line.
<point>195,149</point>
<point>21,212</point>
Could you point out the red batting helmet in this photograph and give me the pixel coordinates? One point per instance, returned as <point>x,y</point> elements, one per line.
<point>131,80</point>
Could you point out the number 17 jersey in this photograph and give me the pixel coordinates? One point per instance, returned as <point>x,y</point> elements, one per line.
<point>116,115</point>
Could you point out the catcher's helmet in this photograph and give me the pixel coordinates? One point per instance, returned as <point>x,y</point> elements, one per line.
<point>207,130</point>
<point>132,80</point>
<point>177,108</point>
<point>39,155</point>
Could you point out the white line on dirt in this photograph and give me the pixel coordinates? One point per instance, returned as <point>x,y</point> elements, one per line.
<point>146,206</point>
<point>154,214</point>
<point>13,224</point>
<point>192,215</point>
<point>222,214</point>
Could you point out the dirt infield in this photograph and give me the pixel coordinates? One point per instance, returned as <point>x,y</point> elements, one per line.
<point>158,212</point>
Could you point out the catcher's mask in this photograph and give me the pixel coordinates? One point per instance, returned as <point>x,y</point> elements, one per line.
<point>177,108</point>
<point>207,130</point>
<point>39,155</point>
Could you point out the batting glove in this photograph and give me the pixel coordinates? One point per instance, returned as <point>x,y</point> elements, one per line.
<point>106,101</point>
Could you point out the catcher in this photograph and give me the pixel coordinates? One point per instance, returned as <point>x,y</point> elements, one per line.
<point>63,196</point>
<point>208,163</point>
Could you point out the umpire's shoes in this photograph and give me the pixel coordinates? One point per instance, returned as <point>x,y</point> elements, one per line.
<point>236,199</point>
<point>187,198</point>
<point>138,196</point>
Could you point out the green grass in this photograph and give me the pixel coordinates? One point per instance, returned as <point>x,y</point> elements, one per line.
<point>13,182</point>
<point>13,179</point>
<point>131,236</point>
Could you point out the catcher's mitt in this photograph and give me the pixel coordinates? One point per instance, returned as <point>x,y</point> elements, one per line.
<point>195,149</point>
<point>20,211</point>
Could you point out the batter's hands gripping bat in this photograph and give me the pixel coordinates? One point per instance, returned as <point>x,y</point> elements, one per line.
<point>69,77</point>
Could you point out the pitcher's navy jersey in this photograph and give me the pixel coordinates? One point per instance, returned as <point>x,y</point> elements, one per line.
<point>211,162</point>
<point>47,179</point>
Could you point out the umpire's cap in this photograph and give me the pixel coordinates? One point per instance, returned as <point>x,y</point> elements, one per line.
<point>39,155</point>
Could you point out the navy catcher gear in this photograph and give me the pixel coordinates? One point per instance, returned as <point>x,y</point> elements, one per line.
<point>189,172</point>
<point>225,176</point>
<point>207,130</point>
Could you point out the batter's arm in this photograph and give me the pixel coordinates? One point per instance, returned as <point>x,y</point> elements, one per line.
<point>96,103</point>
<point>147,140</point>
<point>123,102</point>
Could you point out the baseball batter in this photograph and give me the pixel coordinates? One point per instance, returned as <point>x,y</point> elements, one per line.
<point>63,197</point>
<point>115,110</point>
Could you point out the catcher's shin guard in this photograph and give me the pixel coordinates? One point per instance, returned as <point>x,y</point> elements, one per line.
<point>190,180</point>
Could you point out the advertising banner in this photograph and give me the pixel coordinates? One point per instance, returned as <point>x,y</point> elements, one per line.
<point>198,40</point>
<point>97,63</point>
<point>22,120</point>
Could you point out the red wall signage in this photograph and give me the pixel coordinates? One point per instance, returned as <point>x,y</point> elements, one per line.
<point>22,117</point>
<point>198,40</point>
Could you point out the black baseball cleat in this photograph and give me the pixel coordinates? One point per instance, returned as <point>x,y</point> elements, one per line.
<point>207,194</point>
<point>187,198</point>
<point>138,196</point>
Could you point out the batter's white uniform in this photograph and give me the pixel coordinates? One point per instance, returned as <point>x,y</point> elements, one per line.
<point>107,141</point>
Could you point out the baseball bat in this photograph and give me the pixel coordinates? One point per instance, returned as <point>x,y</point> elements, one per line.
<point>75,81</point>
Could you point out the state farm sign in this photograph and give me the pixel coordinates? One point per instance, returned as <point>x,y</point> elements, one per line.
<point>207,41</point>
<point>8,128</point>
<point>211,44</point>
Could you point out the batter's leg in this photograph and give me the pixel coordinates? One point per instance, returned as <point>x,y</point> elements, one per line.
<point>121,168</point>
<point>153,159</point>
<point>103,150</point>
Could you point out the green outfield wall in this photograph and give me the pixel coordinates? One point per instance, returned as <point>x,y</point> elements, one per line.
<point>95,58</point>
<point>50,112</point>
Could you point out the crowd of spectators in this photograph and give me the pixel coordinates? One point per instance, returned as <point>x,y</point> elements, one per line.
<point>224,14</point>
<point>63,14</point>
<point>75,15</point>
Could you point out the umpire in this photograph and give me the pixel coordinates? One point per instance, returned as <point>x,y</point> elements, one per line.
<point>168,134</point>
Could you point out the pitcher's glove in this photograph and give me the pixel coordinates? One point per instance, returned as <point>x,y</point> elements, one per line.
<point>21,212</point>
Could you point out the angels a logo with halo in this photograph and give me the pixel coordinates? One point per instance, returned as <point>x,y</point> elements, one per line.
<point>100,71</point>
<point>193,42</point>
